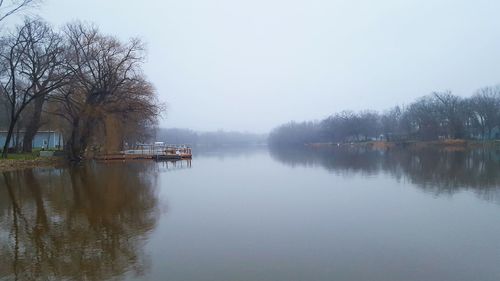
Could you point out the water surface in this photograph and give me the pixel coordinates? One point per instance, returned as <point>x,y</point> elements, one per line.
<point>278,214</point>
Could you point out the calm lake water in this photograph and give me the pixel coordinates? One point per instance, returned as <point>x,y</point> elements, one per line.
<point>287,214</point>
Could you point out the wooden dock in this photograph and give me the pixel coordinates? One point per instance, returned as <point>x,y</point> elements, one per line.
<point>152,152</point>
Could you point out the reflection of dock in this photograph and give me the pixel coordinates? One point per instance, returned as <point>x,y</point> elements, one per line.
<point>177,165</point>
<point>157,152</point>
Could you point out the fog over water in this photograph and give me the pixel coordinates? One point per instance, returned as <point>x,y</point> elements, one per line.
<point>251,65</point>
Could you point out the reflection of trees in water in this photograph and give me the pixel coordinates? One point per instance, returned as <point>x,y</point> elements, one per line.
<point>85,223</point>
<point>447,171</point>
<point>436,170</point>
<point>223,152</point>
<point>342,160</point>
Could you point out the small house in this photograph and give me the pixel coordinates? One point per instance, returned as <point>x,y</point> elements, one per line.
<point>43,139</point>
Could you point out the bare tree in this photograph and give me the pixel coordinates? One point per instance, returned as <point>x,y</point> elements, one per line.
<point>293,134</point>
<point>391,123</point>
<point>452,114</point>
<point>423,119</point>
<point>44,63</point>
<point>435,116</point>
<point>29,62</point>
<point>485,106</point>
<point>10,7</point>
<point>368,123</point>
<point>107,84</point>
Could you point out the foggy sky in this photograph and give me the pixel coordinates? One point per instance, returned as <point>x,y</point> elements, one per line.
<point>250,65</point>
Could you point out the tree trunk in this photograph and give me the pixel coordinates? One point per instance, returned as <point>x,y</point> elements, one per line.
<point>71,145</point>
<point>7,140</point>
<point>33,125</point>
<point>85,135</point>
<point>79,139</point>
<point>17,138</point>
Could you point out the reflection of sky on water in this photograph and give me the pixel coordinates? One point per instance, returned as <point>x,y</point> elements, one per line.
<point>257,214</point>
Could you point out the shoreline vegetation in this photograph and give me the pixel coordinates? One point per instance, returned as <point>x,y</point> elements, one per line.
<point>91,87</point>
<point>200,140</point>
<point>440,118</point>
<point>34,159</point>
<point>383,144</point>
<point>20,163</point>
<point>76,80</point>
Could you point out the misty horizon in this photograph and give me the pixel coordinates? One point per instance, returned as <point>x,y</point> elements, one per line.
<point>253,65</point>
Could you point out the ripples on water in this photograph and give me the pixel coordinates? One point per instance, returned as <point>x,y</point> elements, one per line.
<point>282,214</point>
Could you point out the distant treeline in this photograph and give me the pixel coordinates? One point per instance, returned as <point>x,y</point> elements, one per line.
<point>440,115</point>
<point>216,138</point>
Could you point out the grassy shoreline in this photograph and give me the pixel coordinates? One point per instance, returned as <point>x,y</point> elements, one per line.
<point>21,164</point>
<point>20,161</point>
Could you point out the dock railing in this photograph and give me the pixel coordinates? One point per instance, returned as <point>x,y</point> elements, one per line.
<point>159,150</point>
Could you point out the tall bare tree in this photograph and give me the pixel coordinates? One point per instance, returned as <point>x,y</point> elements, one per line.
<point>485,106</point>
<point>45,62</point>
<point>30,62</point>
<point>452,113</point>
<point>107,81</point>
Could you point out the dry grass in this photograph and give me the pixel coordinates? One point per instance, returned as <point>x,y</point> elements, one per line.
<point>383,144</point>
<point>19,164</point>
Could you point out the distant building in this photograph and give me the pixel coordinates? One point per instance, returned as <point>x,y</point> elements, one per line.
<point>43,139</point>
<point>493,135</point>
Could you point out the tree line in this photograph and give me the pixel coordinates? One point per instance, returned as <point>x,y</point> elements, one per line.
<point>440,115</point>
<point>77,79</point>
<point>215,138</point>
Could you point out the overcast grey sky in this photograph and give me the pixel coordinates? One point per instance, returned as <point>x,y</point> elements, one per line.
<point>250,65</point>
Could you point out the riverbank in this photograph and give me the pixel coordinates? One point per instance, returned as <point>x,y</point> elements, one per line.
<point>26,163</point>
<point>444,144</point>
